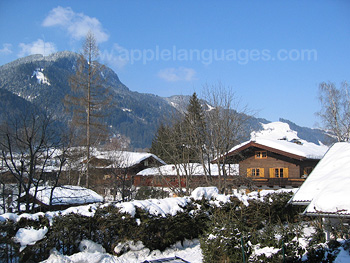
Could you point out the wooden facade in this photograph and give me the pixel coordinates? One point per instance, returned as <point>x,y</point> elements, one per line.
<point>270,167</point>
<point>230,182</point>
<point>106,179</point>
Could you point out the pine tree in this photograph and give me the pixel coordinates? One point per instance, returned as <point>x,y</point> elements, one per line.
<point>160,138</point>
<point>195,129</point>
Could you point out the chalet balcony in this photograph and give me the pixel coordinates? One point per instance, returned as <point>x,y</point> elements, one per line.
<point>279,182</point>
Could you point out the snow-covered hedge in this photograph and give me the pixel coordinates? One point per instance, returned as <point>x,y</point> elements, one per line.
<point>157,223</point>
<point>260,224</point>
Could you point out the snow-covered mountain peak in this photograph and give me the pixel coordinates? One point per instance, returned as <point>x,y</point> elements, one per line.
<point>275,131</point>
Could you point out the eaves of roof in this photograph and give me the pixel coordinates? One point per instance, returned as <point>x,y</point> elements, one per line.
<point>267,148</point>
<point>328,214</point>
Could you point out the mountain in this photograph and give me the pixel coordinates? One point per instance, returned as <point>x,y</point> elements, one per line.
<point>40,83</point>
<point>317,136</point>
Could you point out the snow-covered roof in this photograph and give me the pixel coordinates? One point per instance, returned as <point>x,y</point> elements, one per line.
<point>326,189</point>
<point>188,168</point>
<point>125,159</point>
<point>278,136</point>
<point>66,195</point>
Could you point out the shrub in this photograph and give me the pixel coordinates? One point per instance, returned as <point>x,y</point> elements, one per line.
<point>235,227</point>
<point>147,192</point>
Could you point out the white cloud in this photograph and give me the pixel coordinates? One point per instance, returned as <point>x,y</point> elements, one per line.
<point>37,47</point>
<point>116,58</point>
<point>77,25</point>
<point>177,74</point>
<point>6,49</point>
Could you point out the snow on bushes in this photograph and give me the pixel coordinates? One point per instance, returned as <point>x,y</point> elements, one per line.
<point>29,236</point>
<point>258,222</point>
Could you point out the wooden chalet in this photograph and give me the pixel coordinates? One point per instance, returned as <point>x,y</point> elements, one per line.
<point>110,169</point>
<point>183,175</point>
<point>276,163</point>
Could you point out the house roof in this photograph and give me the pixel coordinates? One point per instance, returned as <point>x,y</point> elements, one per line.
<point>66,195</point>
<point>278,137</point>
<point>126,159</point>
<point>188,168</point>
<point>326,190</point>
<point>296,149</point>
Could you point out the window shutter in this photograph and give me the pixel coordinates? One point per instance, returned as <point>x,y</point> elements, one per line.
<point>249,172</point>
<point>285,172</point>
<point>262,174</point>
<point>272,172</point>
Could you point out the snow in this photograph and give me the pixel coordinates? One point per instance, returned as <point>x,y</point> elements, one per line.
<point>275,131</point>
<point>334,198</point>
<point>205,192</point>
<point>279,136</point>
<point>190,251</point>
<point>16,218</point>
<point>129,245</point>
<point>126,110</point>
<point>125,159</point>
<point>66,195</point>
<point>84,210</point>
<point>162,207</point>
<point>267,251</point>
<point>81,257</point>
<point>29,236</point>
<point>41,79</point>
<point>210,108</point>
<point>91,247</point>
<point>326,190</point>
<point>187,169</point>
<point>157,207</point>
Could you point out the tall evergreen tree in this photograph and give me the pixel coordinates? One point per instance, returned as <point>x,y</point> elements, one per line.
<point>195,126</point>
<point>159,142</point>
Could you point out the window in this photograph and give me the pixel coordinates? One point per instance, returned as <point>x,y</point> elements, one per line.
<point>307,171</point>
<point>279,172</point>
<point>255,172</point>
<point>260,155</point>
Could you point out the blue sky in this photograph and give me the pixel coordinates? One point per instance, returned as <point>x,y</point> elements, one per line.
<point>273,54</point>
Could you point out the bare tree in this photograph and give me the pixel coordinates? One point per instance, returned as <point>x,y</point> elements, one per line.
<point>200,136</point>
<point>89,98</point>
<point>226,125</point>
<point>335,109</point>
<point>29,145</point>
<point>122,181</point>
